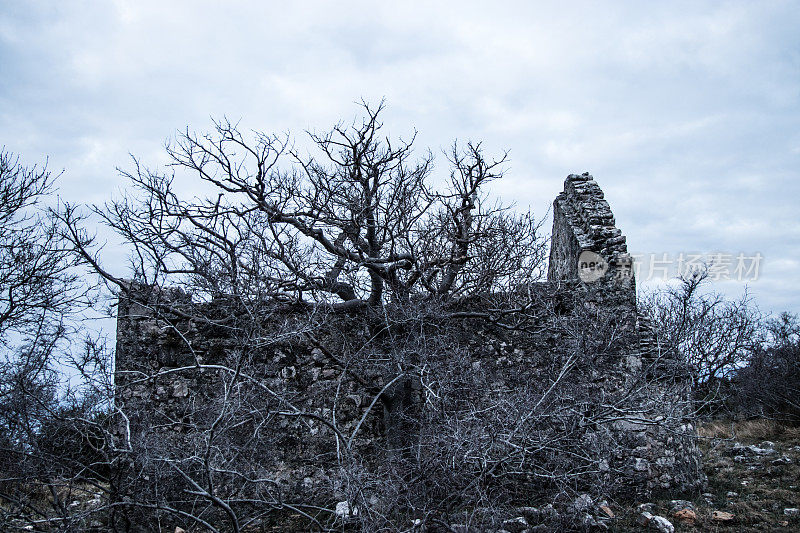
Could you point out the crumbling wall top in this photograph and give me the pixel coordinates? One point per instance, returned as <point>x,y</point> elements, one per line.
<point>583,222</point>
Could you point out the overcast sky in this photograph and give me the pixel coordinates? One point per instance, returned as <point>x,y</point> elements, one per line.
<point>686,113</point>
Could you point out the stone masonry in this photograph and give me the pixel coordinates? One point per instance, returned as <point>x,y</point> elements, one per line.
<point>655,450</point>
<point>583,222</point>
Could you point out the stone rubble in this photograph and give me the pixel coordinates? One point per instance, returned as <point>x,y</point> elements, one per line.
<point>722,516</point>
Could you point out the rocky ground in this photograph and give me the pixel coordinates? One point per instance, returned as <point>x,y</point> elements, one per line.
<point>753,471</point>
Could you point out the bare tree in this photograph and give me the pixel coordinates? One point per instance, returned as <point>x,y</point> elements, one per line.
<point>769,386</point>
<point>355,224</point>
<point>715,335</point>
<point>40,290</point>
<point>34,260</point>
<point>353,227</point>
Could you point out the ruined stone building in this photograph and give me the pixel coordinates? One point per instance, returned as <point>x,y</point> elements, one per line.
<point>642,442</point>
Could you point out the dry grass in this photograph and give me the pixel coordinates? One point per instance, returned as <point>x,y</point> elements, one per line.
<point>760,429</point>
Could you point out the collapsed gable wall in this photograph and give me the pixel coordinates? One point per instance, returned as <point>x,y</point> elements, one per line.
<point>583,221</point>
<point>587,250</point>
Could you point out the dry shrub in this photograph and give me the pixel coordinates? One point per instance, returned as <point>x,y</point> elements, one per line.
<point>758,429</point>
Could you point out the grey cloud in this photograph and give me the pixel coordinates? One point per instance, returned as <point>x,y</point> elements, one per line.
<point>687,113</point>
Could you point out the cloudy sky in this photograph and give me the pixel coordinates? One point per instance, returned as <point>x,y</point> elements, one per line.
<point>686,113</point>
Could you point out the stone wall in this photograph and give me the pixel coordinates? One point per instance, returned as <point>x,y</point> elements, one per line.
<point>649,447</point>
<point>583,222</point>
<point>173,362</point>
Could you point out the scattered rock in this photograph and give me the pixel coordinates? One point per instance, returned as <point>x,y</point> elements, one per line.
<point>791,511</point>
<point>722,516</point>
<point>180,389</point>
<point>179,529</point>
<point>686,516</point>
<point>753,449</point>
<point>644,518</point>
<point>606,512</point>
<point>732,494</point>
<point>515,525</point>
<point>583,503</point>
<point>590,523</point>
<point>646,508</point>
<point>343,510</point>
<point>659,523</point>
<point>678,505</point>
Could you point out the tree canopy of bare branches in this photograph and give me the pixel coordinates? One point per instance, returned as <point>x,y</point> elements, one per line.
<point>356,222</point>
<point>39,291</point>
<point>714,335</point>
